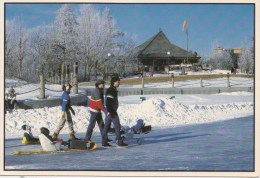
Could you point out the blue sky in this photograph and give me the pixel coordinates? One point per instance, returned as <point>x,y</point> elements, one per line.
<point>230,25</point>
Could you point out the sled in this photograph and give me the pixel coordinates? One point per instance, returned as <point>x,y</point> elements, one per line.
<point>135,133</point>
<point>93,146</point>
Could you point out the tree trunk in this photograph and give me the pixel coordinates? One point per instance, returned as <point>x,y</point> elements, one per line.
<point>20,69</point>
<point>96,74</point>
<point>85,72</point>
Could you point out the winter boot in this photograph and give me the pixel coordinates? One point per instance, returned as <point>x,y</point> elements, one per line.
<point>121,143</point>
<point>54,136</point>
<point>106,144</point>
<point>72,136</point>
<point>88,141</point>
<point>109,140</point>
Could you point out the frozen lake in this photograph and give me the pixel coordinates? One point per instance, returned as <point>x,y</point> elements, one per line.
<point>218,146</point>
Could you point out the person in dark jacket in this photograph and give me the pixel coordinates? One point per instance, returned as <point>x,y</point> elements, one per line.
<point>28,137</point>
<point>66,115</point>
<point>96,105</point>
<point>11,99</point>
<point>112,116</point>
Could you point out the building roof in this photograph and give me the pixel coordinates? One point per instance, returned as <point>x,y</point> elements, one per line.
<point>158,46</point>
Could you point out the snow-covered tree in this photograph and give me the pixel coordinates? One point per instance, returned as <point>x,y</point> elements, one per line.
<point>15,46</point>
<point>97,38</point>
<point>43,56</point>
<point>221,60</point>
<point>86,38</point>
<point>21,46</point>
<point>65,33</point>
<point>89,29</point>
<point>9,43</point>
<point>126,60</point>
<point>246,59</point>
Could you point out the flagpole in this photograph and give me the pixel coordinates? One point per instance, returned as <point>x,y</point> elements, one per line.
<point>187,34</point>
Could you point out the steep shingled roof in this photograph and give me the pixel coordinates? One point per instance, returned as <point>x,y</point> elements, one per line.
<point>158,46</point>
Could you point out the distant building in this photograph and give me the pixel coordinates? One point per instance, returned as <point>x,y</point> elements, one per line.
<point>235,53</point>
<point>159,54</point>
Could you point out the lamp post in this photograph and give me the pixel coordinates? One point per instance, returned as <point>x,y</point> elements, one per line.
<point>106,66</point>
<point>168,54</point>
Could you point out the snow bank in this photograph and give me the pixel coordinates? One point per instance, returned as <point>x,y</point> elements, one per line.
<point>165,112</point>
<point>156,111</point>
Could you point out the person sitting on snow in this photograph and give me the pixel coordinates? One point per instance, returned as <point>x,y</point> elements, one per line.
<point>47,142</point>
<point>28,137</point>
<point>11,98</point>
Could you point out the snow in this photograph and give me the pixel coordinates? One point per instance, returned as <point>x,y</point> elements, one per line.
<point>189,131</point>
<point>54,90</point>
<point>159,111</point>
<point>23,89</point>
<point>218,82</point>
<point>156,110</point>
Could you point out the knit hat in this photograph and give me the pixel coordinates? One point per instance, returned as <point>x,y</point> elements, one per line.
<point>115,79</point>
<point>100,82</point>
<point>26,127</point>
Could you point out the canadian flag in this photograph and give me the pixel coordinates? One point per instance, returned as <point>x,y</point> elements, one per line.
<point>184,24</point>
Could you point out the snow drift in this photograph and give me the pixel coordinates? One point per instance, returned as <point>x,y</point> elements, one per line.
<point>156,111</point>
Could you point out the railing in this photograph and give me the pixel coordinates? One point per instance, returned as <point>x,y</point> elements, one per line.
<point>193,90</point>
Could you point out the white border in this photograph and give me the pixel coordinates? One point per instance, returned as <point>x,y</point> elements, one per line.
<point>134,173</point>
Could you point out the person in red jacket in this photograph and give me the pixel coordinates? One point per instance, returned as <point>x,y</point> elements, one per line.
<point>96,105</point>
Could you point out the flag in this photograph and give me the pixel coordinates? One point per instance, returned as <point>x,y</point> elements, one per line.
<point>184,24</point>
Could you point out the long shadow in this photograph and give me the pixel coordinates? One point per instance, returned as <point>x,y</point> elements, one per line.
<point>167,135</point>
<point>173,139</point>
<point>12,139</point>
<point>12,146</point>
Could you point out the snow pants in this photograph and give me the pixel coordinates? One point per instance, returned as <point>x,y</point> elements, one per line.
<point>117,126</point>
<point>94,117</point>
<point>66,116</point>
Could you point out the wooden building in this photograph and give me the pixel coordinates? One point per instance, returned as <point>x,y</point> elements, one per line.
<point>159,53</point>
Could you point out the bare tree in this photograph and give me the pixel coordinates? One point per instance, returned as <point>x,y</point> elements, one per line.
<point>41,50</point>
<point>21,46</point>
<point>65,32</point>
<point>9,43</point>
<point>221,60</point>
<point>247,58</point>
<point>15,46</point>
<point>98,34</point>
<point>86,38</point>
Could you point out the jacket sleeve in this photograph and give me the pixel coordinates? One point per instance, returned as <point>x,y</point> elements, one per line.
<point>110,108</point>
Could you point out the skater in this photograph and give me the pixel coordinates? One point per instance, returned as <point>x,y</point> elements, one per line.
<point>28,137</point>
<point>66,115</point>
<point>11,99</point>
<point>112,116</point>
<point>95,106</point>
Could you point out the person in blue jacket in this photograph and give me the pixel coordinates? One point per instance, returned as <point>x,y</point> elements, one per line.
<point>66,115</point>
